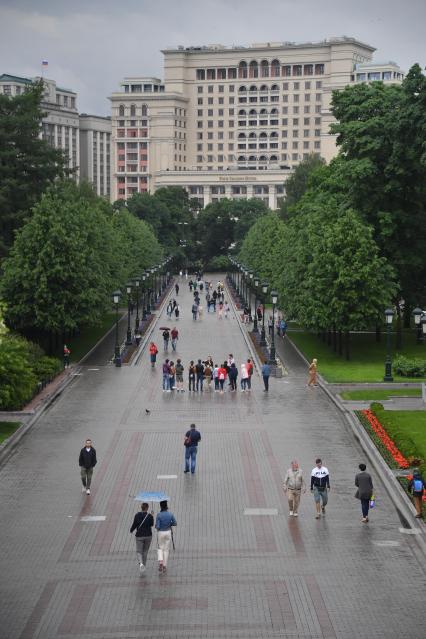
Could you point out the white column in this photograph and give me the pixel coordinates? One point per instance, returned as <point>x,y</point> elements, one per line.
<point>228,191</point>
<point>207,195</point>
<point>249,191</point>
<point>272,197</point>
<point>77,152</point>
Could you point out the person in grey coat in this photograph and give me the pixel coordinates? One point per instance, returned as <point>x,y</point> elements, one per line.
<point>364,492</point>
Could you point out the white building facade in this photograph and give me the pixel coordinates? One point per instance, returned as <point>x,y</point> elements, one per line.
<point>95,152</point>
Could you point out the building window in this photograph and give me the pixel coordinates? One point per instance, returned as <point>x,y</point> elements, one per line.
<point>231,124</point>
<point>297,69</point>
<point>264,69</point>
<point>210,113</point>
<point>306,109</point>
<point>221,88</point>
<point>200,89</point>
<point>201,74</point>
<point>296,97</point>
<point>317,132</point>
<point>221,101</point>
<point>308,69</point>
<point>200,124</point>
<point>210,88</point>
<point>319,69</point>
<point>210,101</point>
<point>318,97</point>
<point>295,133</point>
<point>286,71</point>
<point>318,84</point>
<point>285,86</point>
<point>306,133</point>
<point>200,100</point>
<point>199,158</point>
<point>317,108</point>
<point>211,74</point>
<point>232,74</point>
<point>317,144</point>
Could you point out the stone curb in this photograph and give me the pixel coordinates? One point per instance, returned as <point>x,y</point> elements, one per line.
<point>403,506</point>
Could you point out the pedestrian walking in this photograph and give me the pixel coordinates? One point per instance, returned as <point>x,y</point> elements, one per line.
<point>191,376</point>
<point>199,371</point>
<point>312,380</point>
<point>250,369</point>
<point>222,375</point>
<point>166,376</point>
<point>143,523</point>
<point>259,313</point>
<point>320,485</point>
<point>169,309</point>
<point>216,377</point>
<point>233,375</point>
<point>246,315</point>
<point>67,354</point>
<point>172,376</point>
<point>192,437</point>
<point>179,376</point>
<point>177,311</point>
<point>175,336</point>
<point>166,337</point>
<point>194,311</point>
<point>220,310</point>
<point>163,523</point>
<point>153,350</point>
<point>266,372</point>
<point>177,289</point>
<point>364,492</point>
<point>87,461</point>
<point>294,484</point>
<point>200,311</point>
<point>244,377</point>
<point>416,486</point>
<point>190,284</point>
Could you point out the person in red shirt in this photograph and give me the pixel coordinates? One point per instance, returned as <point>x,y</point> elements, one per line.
<point>174,335</point>
<point>249,367</point>
<point>153,350</point>
<point>222,375</point>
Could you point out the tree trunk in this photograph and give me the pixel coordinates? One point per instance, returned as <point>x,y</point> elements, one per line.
<point>347,345</point>
<point>407,316</point>
<point>340,344</point>
<point>398,328</point>
<point>378,333</point>
<point>334,339</point>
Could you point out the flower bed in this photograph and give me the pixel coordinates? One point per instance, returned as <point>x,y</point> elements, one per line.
<point>385,439</point>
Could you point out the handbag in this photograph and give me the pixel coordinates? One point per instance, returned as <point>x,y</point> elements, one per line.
<point>187,441</point>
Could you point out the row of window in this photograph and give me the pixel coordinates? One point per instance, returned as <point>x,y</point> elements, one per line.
<point>263,88</point>
<point>264,69</point>
<point>132,110</point>
<point>65,100</point>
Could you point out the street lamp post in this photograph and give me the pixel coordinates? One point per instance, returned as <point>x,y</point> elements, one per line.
<point>251,275</point>
<point>256,284</point>
<point>143,297</point>
<point>262,342</point>
<point>136,282</point>
<point>274,297</point>
<point>129,330</point>
<point>116,300</point>
<point>388,364</point>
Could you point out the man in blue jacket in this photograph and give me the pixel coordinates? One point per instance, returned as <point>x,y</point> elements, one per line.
<point>266,371</point>
<point>192,437</point>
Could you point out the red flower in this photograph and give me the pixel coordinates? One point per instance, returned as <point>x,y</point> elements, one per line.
<point>385,439</point>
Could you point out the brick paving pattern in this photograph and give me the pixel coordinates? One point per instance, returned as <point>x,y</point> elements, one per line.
<point>231,575</point>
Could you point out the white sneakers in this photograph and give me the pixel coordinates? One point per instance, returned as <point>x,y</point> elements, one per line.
<point>88,491</point>
<point>290,513</point>
<point>83,489</point>
<point>141,568</point>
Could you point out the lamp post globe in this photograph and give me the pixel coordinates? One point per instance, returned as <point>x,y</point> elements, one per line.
<point>274,298</point>
<point>389,313</point>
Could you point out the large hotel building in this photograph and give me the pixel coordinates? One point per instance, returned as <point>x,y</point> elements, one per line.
<point>233,122</point>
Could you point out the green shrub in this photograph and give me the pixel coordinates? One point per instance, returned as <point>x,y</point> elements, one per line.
<point>218,263</point>
<point>17,379</point>
<point>409,367</point>
<point>46,367</point>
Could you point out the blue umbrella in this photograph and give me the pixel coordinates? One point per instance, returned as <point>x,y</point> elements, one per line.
<point>152,496</point>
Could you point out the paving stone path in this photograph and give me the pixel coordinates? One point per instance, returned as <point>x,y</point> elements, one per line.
<point>232,575</point>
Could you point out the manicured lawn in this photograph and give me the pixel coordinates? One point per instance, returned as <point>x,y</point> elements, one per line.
<point>367,361</point>
<point>89,336</point>
<point>7,429</point>
<point>376,393</point>
<point>407,428</point>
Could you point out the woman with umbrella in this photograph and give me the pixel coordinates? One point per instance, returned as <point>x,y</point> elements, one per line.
<point>164,522</point>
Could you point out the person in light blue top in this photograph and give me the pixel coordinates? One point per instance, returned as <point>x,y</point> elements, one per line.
<point>163,523</point>
<point>266,371</point>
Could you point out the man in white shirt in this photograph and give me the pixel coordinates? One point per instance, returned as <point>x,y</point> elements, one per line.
<point>320,485</point>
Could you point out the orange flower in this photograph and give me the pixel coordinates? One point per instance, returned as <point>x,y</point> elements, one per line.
<point>385,439</point>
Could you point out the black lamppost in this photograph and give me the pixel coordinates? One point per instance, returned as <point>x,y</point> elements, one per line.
<point>116,300</point>
<point>274,297</point>
<point>251,275</point>
<point>256,284</point>
<point>136,282</point>
<point>265,286</point>
<point>388,364</point>
<point>144,297</point>
<point>417,312</point>
<point>129,330</point>
<point>237,278</point>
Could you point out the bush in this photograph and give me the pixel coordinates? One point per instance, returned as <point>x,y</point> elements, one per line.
<point>407,367</point>
<point>218,263</point>
<point>17,379</point>
<point>46,367</point>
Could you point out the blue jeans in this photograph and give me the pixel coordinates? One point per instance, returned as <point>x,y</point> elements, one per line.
<point>190,454</point>
<point>174,342</point>
<point>166,381</point>
<point>200,381</point>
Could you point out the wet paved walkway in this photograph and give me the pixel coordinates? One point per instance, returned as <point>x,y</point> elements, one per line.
<point>232,575</point>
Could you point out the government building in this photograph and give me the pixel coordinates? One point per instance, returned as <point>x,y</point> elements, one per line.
<point>233,121</point>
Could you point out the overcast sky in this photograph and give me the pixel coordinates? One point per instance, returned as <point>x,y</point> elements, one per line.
<point>92,44</point>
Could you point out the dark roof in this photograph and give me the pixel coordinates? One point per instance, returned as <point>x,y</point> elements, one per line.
<point>14,78</point>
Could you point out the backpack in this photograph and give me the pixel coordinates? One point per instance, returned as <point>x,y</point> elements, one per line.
<point>417,485</point>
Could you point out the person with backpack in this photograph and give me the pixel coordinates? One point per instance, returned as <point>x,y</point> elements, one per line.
<point>166,337</point>
<point>364,492</point>
<point>191,376</point>
<point>192,437</point>
<point>179,376</point>
<point>199,371</point>
<point>175,336</point>
<point>416,486</point>
<point>153,350</point>
<point>143,523</point>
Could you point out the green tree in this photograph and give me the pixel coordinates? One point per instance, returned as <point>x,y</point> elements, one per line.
<point>17,379</point>
<point>27,163</point>
<point>298,182</point>
<point>215,230</point>
<point>262,248</point>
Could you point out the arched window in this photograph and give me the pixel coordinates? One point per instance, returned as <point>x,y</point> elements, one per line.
<point>132,111</point>
<point>144,109</point>
<point>242,112</point>
<point>252,135</point>
<point>263,87</point>
<point>275,87</point>
<point>254,69</point>
<point>273,158</point>
<point>264,69</point>
<point>263,111</point>
<point>275,69</point>
<point>263,135</point>
<point>242,69</point>
<point>241,158</point>
<point>242,89</point>
<point>253,87</point>
<point>121,111</point>
<point>274,134</point>
<point>252,158</point>
<point>252,113</point>
<point>241,136</point>
<point>263,158</point>
<point>274,111</point>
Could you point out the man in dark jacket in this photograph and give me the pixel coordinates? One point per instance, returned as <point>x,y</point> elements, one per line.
<point>192,437</point>
<point>87,461</point>
<point>199,371</point>
<point>143,523</point>
<point>364,483</point>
